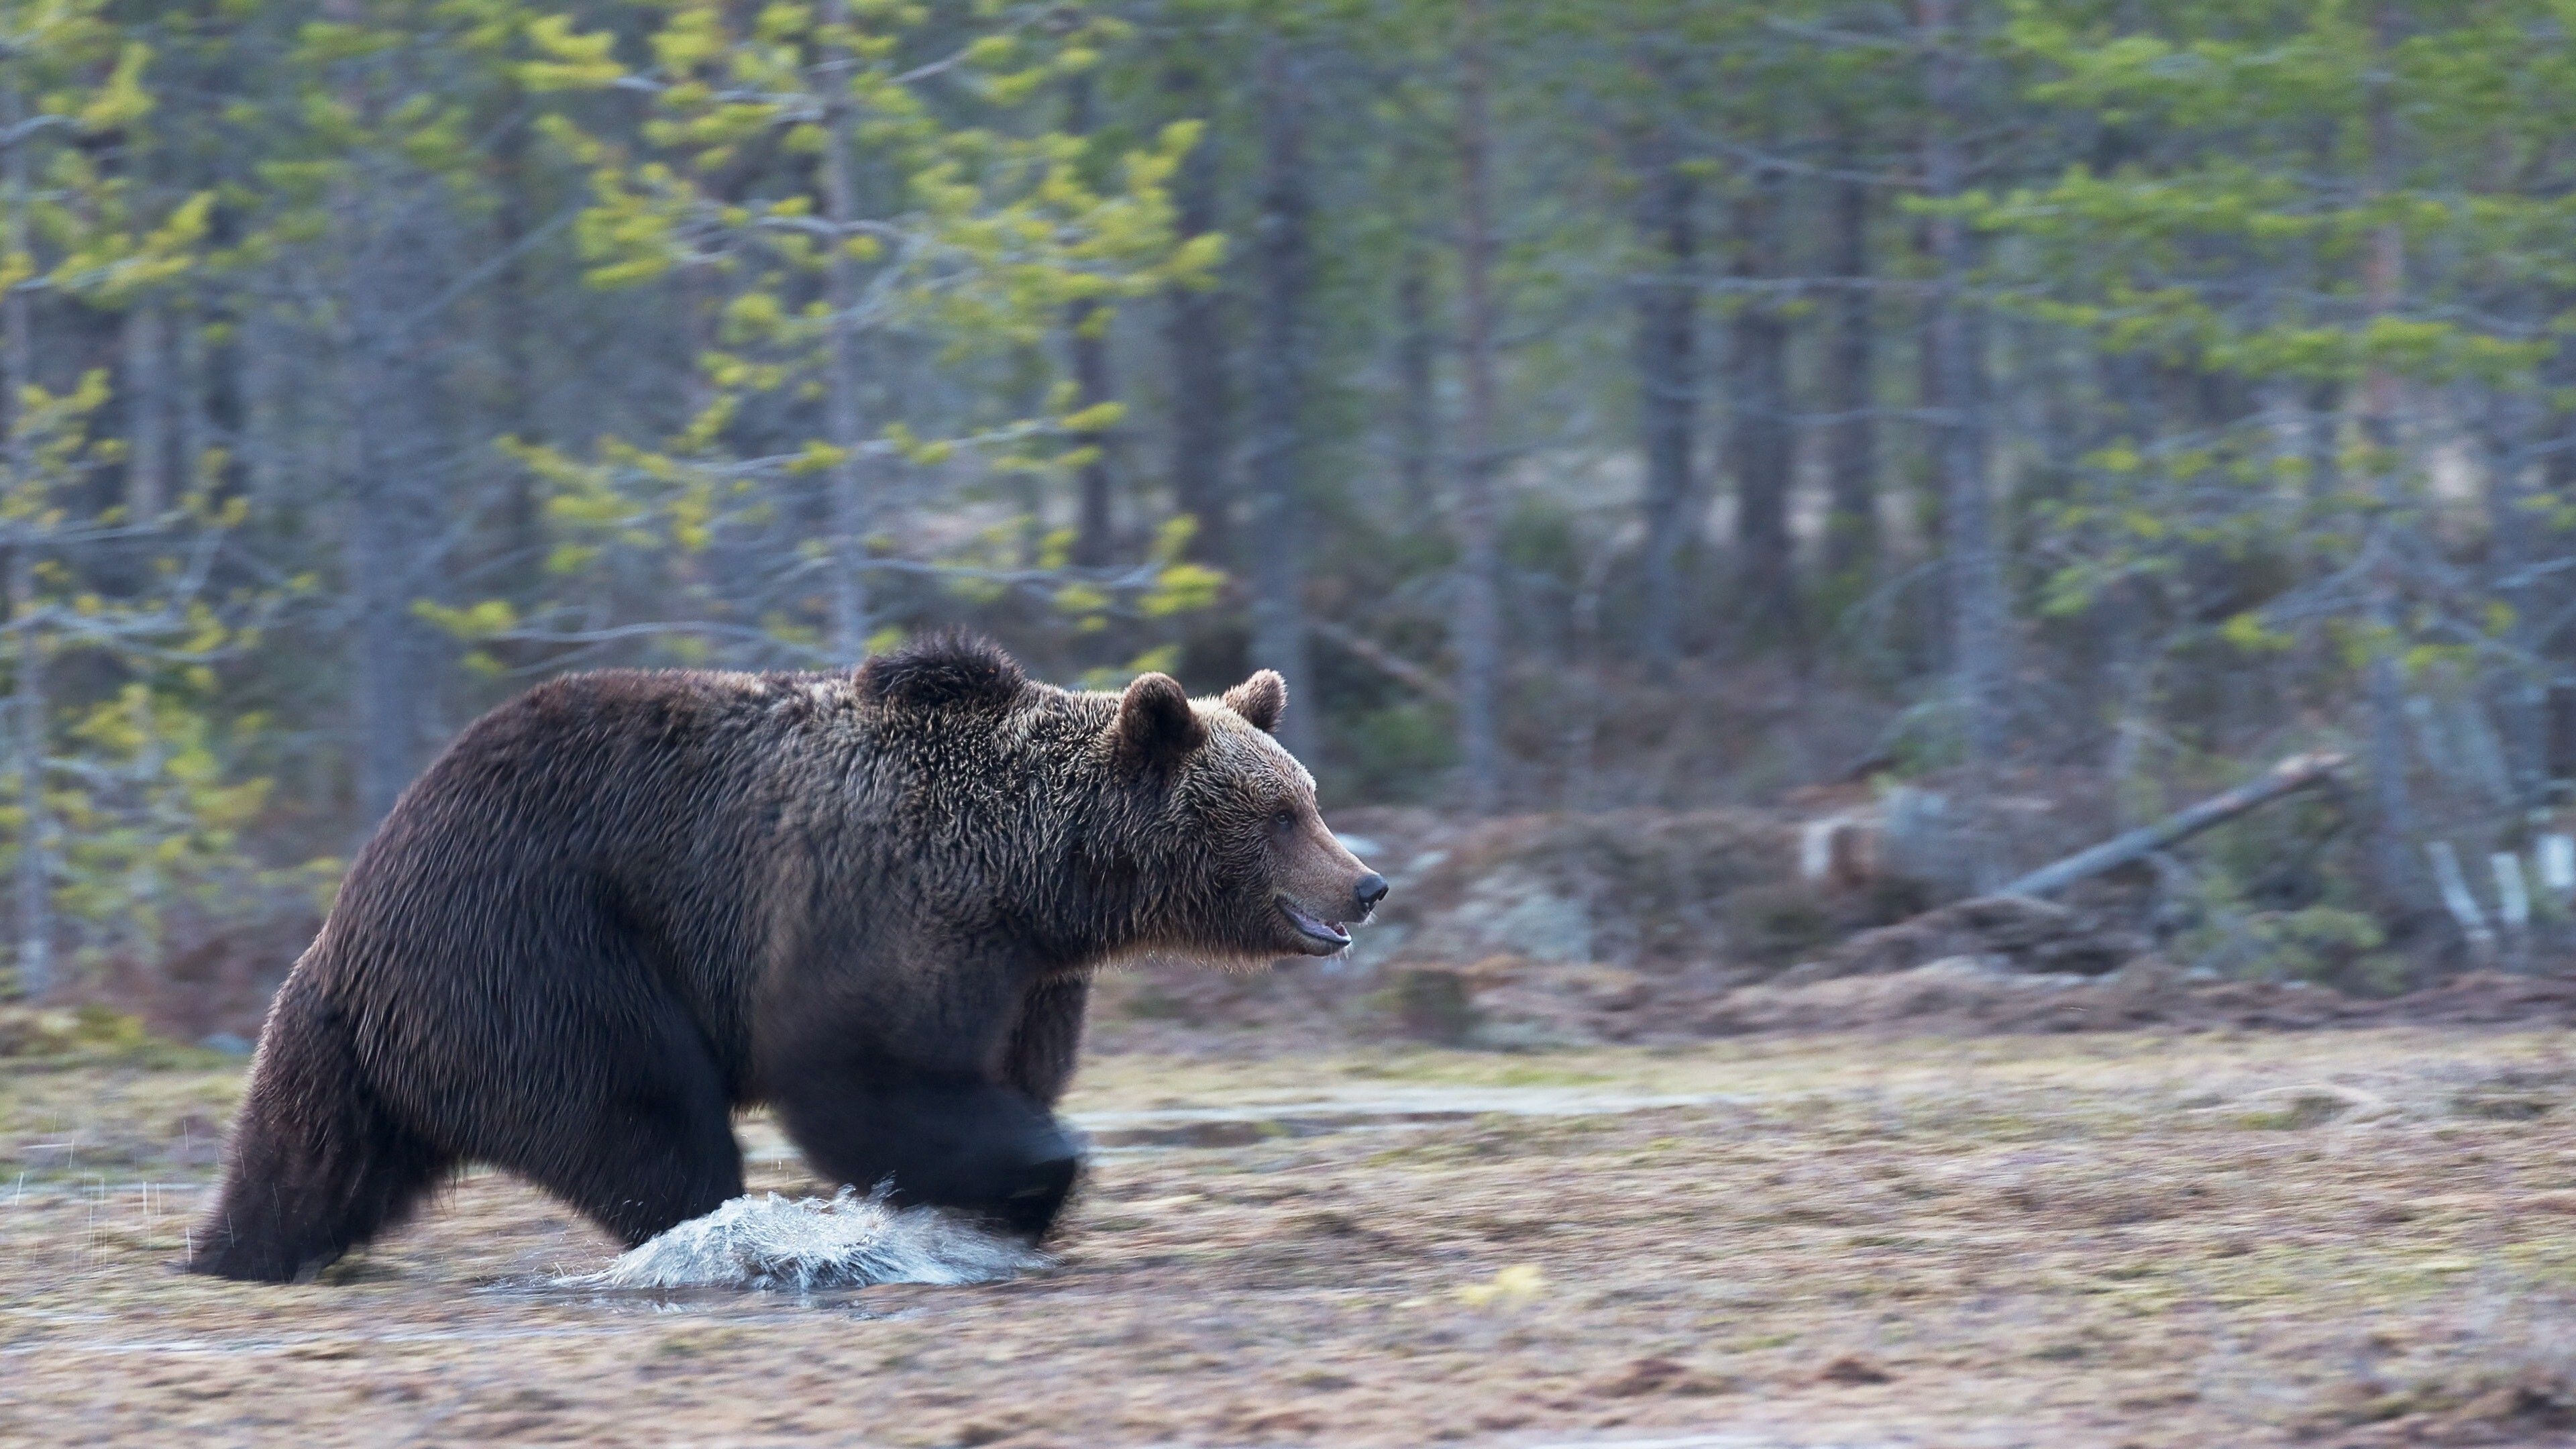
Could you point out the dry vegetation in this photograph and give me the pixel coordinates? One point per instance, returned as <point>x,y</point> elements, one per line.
<point>2341,1237</point>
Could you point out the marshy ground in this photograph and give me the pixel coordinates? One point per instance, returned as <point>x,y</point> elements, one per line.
<point>2362,1237</point>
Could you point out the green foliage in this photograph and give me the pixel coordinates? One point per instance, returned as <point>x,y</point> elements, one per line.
<point>2248,173</point>
<point>853,186</point>
<point>153,821</point>
<point>751,335</point>
<point>1395,752</point>
<point>2326,945</point>
<point>2273,897</point>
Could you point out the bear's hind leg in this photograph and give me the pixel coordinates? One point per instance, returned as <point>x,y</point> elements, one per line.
<point>315,1167</point>
<point>653,1145</point>
<point>652,1166</point>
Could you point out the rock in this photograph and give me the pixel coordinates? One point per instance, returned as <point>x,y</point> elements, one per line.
<point>30,1033</point>
<point>1851,1368</point>
<point>2307,1105</point>
<point>1432,1004</point>
<point>1655,1374</point>
<point>38,1032</point>
<point>1643,888</point>
<point>1513,910</point>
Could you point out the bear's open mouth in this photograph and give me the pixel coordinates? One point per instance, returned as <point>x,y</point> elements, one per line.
<point>1326,934</point>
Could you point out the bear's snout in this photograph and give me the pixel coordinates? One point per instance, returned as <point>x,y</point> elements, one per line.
<point>1367,891</point>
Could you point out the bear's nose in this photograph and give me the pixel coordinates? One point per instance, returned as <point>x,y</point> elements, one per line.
<point>1370,890</point>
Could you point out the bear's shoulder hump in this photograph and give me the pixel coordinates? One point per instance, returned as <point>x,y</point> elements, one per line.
<point>945,670</point>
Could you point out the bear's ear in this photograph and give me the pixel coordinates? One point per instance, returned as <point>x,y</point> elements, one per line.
<point>1260,700</point>
<point>1155,723</point>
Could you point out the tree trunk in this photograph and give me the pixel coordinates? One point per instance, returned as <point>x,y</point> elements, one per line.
<point>1086,325</point>
<point>384,415</point>
<point>514,311</point>
<point>1668,380</point>
<point>847,508</point>
<point>31,742</point>
<point>196,378</point>
<point>1279,380</point>
<point>2299,772</point>
<point>1980,637</point>
<point>390,454</point>
<point>265,452</point>
<point>2558,482</point>
<point>1195,333</point>
<point>1761,448</point>
<point>1476,626</point>
<point>1417,402</point>
<point>147,410</point>
<point>1095,534</point>
<point>2322,435</point>
<point>2558,430</point>
<point>1851,438</point>
<point>2519,550</point>
<point>387,699</point>
<point>1024,396</point>
<point>2384,273</point>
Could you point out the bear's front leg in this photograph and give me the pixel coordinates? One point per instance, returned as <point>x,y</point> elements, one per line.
<point>884,1050</point>
<point>953,1142</point>
<point>1039,1060</point>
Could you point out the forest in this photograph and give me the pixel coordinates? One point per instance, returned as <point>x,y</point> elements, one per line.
<point>1991,409</point>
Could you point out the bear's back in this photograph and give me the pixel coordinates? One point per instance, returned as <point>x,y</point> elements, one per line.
<point>600,835</point>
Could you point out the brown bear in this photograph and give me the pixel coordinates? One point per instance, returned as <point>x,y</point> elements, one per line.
<point>626,903</point>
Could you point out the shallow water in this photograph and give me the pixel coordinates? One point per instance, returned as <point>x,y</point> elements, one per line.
<point>810,1243</point>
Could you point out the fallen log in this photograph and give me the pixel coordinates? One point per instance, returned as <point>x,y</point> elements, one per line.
<point>2290,776</point>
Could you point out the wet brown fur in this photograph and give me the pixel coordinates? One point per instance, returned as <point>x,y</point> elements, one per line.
<point>626,903</point>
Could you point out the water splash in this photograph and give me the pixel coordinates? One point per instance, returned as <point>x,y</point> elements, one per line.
<point>803,1244</point>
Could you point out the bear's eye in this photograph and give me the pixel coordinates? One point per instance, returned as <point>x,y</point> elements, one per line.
<point>1283,819</point>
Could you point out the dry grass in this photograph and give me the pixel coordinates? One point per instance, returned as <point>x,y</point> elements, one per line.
<point>2355,1237</point>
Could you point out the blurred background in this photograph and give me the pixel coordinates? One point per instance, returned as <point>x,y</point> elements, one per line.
<point>1723,481</point>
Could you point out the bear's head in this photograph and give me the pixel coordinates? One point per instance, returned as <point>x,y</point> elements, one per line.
<point>1243,867</point>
